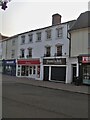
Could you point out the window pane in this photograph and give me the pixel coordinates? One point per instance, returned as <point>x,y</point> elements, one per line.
<point>48,34</point>
<point>22,39</point>
<point>30,37</point>
<point>30,52</point>
<point>39,36</point>
<point>59,50</point>
<point>59,32</point>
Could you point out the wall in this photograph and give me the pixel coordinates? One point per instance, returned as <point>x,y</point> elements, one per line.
<point>38,48</point>
<point>79,42</point>
<point>11,47</point>
<point>4,50</point>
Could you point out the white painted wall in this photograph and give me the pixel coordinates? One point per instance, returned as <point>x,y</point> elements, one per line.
<point>3,49</point>
<point>38,48</point>
<point>10,47</point>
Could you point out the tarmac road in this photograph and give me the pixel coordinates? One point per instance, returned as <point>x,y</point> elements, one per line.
<point>29,101</point>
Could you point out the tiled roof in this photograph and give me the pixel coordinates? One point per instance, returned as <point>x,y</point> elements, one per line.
<point>83,21</point>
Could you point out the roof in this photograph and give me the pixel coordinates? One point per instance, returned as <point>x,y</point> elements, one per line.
<point>39,29</point>
<point>2,37</point>
<point>83,21</point>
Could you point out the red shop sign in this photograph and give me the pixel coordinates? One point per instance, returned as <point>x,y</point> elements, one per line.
<point>28,62</point>
<point>86,59</point>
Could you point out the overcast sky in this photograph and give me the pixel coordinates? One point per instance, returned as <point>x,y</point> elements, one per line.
<point>25,15</point>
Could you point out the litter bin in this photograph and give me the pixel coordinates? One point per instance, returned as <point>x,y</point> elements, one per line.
<point>77,82</point>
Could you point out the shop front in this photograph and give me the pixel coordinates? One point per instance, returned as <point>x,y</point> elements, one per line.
<point>28,68</point>
<point>9,67</point>
<point>54,69</point>
<point>84,69</point>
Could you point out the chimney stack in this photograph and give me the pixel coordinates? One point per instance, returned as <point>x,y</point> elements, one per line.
<point>56,19</point>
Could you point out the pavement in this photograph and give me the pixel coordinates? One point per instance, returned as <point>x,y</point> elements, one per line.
<point>83,89</point>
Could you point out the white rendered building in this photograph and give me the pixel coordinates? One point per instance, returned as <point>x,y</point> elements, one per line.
<point>44,53</point>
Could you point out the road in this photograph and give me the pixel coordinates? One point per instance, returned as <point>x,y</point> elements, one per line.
<point>28,101</point>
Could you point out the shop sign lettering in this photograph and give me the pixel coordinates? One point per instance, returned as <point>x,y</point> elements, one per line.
<point>59,61</point>
<point>86,59</point>
<point>10,62</point>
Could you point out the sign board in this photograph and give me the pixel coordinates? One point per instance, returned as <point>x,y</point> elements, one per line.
<point>9,62</point>
<point>86,59</point>
<point>55,61</point>
<point>28,62</point>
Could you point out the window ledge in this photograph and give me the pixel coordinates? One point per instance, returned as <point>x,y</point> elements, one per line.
<point>58,38</point>
<point>38,40</point>
<point>48,39</point>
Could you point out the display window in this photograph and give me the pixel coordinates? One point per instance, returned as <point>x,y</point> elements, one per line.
<point>86,73</point>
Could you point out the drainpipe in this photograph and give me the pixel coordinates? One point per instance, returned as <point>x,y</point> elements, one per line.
<point>69,38</point>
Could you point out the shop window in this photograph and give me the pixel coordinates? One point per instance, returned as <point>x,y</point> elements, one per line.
<point>86,72</point>
<point>23,71</point>
<point>34,70</point>
<point>30,69</point>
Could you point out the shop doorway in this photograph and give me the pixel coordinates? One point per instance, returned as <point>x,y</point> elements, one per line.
<point>24,71</point>
<point>46,73</point>
<point>73,72</point>
<point>58,74</point>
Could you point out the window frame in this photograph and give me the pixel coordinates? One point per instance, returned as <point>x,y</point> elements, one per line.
<point>48,34</point>
<point>30,37</point>
<point>22,55</point>
<point>39,36</point>
<point>29,55</point>
<point>22,39</point>
<point>12,53</point>
<point>59,32</point>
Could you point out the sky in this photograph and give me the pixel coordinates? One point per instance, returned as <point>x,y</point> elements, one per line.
<point>26,15</point>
